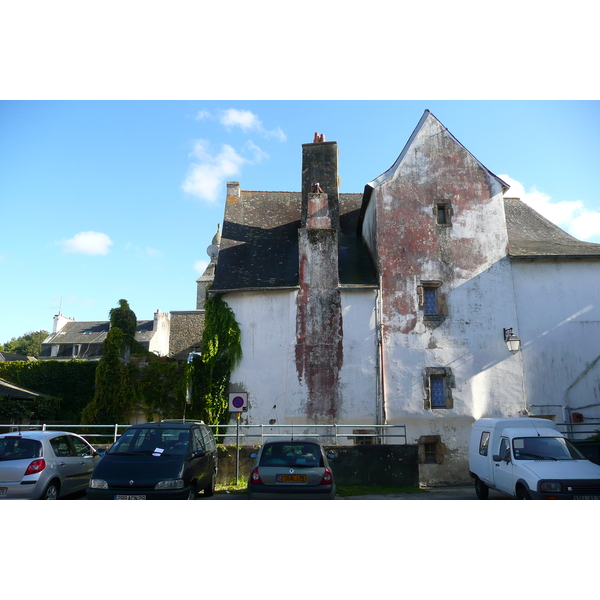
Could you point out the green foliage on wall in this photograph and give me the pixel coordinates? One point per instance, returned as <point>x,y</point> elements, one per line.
<point>106,392</point>
<point>210,373</point>
<point>114,392</point>
<point>72,381</point>
<point>160,388</point>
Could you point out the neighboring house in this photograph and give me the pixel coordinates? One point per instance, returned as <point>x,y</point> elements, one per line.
<point>8,357</point>
<point>84,339</point>
<point>393,306</point>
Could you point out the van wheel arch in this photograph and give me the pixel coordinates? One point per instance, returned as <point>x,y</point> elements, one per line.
<point>522,491</point>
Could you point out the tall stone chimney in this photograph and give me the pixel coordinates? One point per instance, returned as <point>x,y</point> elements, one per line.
<point>319,331</point>
<point>320,167</point>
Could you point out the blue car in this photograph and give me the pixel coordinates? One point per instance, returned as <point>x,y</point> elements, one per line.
<point>157,461</point>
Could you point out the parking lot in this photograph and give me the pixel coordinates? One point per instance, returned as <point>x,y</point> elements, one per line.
<point>439,493</point>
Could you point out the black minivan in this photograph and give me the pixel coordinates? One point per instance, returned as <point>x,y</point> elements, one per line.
<point>171,459</point>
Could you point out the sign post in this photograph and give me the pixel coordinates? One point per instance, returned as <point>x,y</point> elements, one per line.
<point>238,403</point>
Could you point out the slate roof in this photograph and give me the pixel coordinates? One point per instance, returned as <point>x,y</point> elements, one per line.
<point>8,357</point>
<point>14,391</point>
<point>530,235</point>
<point>94,332</point>
<point>259,243</point>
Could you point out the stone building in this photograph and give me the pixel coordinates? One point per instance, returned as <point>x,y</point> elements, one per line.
<point>394,306</point>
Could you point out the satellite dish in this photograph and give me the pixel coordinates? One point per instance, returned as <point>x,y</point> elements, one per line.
<point>212,250</point>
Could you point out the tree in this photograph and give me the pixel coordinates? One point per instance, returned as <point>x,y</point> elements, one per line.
<point>29,344</point>
<point>124,318</point>
<point>113,397</point>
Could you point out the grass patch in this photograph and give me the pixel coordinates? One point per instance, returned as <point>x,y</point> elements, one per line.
<point>364,490</point>
<point>231,487</point>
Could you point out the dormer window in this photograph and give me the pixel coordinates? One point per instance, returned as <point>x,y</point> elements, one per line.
<point>443,212</point>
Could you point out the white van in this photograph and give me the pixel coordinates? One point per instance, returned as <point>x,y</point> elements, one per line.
<point>529,459</point>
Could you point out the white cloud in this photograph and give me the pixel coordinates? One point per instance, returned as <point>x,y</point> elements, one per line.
<point>88,242</point>
<point>200,266</point>
<point>206,177</point>
<point>203,114</point>
<point>147,252</point>
<point>572,216</point>
<point>244,119</point>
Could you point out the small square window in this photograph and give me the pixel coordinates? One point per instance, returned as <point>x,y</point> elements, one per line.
<point>437,382</point>
<point>430,306</point>
<point>438,392</point>
<point>432,301</point>
<point>430,452</point>
<point>443,212</point>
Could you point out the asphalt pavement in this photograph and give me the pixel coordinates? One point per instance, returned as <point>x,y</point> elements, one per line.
<point>466,492</point>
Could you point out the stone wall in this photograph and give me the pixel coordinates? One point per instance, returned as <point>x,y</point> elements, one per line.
<point>393,465</point>
<point>187,327</point>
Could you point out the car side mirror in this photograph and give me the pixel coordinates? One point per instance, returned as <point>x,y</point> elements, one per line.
<point>197,454</point>
<point>331,455</point>
<point>100,452</point>
<point>253,455</point>
<point>498,458</point>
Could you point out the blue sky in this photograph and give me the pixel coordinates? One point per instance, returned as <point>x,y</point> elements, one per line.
<point>103,200</point>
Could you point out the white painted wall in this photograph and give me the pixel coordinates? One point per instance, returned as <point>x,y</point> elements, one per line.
<point>559,326</point>
<point>268,370</point>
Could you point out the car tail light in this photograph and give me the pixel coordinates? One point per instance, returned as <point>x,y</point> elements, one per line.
<point>36,467</point>
<point>327,478</point>
<point>255,477</point>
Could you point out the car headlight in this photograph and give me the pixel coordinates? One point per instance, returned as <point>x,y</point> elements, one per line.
<point>169,484</point>
<point>98,484</point>
<point>550,486</point>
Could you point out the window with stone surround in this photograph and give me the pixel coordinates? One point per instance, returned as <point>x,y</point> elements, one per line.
<point>438,383</point>
<point>442,210</point>
<point>432,301</point>
<point>431,450</point>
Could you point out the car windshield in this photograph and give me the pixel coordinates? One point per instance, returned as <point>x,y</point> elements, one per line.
<point>291,454</point>
<point>152,441</point>
<point>16,448</point>
<point>545,448</point>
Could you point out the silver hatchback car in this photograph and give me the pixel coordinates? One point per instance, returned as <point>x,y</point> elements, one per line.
<point>291,468</point>
<point>44,465</point>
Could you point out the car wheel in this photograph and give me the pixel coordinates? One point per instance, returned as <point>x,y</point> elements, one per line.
<point>522,493</point>
<point>481,490</point>
<point>51,491</point>
<point>210,489</point>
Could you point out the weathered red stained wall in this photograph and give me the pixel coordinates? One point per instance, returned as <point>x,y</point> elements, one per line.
<point>319,328</point>
<point>410,243</point>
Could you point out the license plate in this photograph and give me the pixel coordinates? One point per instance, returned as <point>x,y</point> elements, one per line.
<point>129,497</point>
<point>3,491</point>
<point>586,497</point>
<point>291,478</point>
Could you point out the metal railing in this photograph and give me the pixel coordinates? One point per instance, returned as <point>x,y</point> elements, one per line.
<point>332,432</point>
<point>248,434</point>
<point>574,430</point>
<point>82,430</point>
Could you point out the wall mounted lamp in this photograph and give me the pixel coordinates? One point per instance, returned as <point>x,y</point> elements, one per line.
<point>512,341</point>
